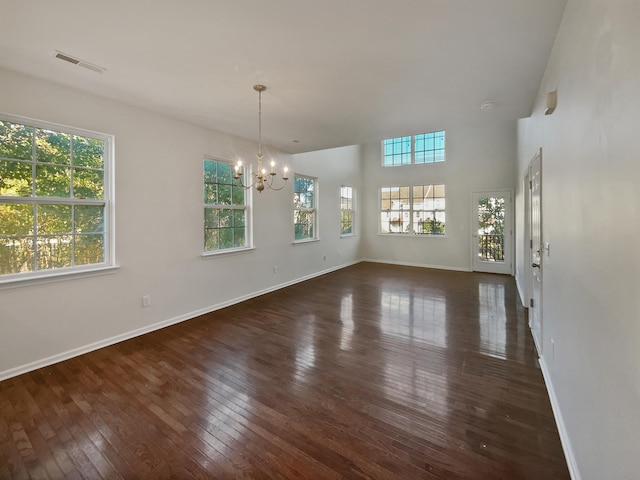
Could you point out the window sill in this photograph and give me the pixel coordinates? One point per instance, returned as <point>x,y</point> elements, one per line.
<point>228,251</point>
<point>348,235</point>
<point>410,235</point>
<point>306,240</point>
<point>59,276</point>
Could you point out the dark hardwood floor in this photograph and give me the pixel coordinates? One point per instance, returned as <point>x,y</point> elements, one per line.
<point>371,372</point>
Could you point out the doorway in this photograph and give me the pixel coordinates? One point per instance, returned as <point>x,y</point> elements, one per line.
<point>492,232</point>
<point>535,258</point>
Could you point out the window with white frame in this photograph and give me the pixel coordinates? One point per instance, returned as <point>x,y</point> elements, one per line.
<point>225,209</point>
<point>413,149</point>
<point>346,210</point>
<point>55,199</point>
<point>305,213</point>
<point>412,210</point>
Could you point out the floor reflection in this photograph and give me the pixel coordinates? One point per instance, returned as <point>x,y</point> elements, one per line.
<point>227,410</point>
<point>492,317</point>
<point>346,318</point>
<point>415,317</point>
<point>305,347</point>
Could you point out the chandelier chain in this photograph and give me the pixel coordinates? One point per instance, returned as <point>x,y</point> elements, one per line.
<point>261,179</point>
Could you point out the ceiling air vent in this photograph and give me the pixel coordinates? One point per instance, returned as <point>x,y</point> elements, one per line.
<point>76,61</point>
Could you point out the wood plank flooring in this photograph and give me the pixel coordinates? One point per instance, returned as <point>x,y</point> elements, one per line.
<point>371,372</point>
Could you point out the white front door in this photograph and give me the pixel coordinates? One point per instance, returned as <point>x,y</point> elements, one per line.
<point>492,232</point>
<point>535,257</point>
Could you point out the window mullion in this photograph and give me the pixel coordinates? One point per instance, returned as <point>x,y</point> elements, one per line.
<point>413,149</point>
<point>411,206</point>
<point>34,148</point>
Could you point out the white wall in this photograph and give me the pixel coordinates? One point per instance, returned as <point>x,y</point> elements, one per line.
<point>159,231</point>
<point>591,218</point>
<point>478,157</point>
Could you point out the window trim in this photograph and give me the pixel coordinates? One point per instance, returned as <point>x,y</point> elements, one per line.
<point>412,153</point>
<point>108,200</point>
<point>248,212</point>
<point>411,233</point>
<point>314,210</point>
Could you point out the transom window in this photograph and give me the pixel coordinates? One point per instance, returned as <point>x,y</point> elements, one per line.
<point>417,210</point>
<point>413,149</point>
<point>55,199</point>
<point>225,208</point>
<point>305,210</point>
<point>346,210</point>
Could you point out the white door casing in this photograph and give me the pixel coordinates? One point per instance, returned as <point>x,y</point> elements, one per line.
<point>535,256</point>
<point>492,232</point>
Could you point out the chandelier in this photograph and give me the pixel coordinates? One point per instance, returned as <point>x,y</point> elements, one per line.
<point>260,178</point>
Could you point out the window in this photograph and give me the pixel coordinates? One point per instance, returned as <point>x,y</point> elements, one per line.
<point>346,210</point>
<point>418,210</point>
<point>225,208</point>
<point>416,149</point>
<point>55,194</point>
<point>305,212</point>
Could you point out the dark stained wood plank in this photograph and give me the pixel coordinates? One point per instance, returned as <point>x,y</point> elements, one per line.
<point>371,372</point>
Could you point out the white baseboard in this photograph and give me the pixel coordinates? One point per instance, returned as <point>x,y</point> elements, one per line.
<point>562,430</point>
<point>421,265</point>
<point>45,362</point>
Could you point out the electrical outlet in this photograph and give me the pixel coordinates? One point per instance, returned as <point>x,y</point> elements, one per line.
<point>146,300</point>
<point>275,269</point>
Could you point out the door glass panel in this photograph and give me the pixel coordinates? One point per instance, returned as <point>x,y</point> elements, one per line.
<point>491,220</point>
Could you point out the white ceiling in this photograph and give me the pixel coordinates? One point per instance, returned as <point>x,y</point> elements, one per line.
<point>338,72</point>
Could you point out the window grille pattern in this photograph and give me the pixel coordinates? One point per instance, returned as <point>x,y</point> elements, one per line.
<point>417,210</point>
<point>429,148</point>
<point>346,210</point>
<point>305,211</point>
<point>225,209</point>
<point>54,198</point>
<point>415,149</point>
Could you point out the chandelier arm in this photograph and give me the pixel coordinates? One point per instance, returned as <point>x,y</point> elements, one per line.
<point>270,186</point>
<point>241,184</point>
<point>278,189</point>
<point>261,179</point>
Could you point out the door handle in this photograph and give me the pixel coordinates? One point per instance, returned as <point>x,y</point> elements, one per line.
<point>535,265</point>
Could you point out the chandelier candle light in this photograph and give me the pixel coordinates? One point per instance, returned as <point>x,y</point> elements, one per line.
<point>261,179</point>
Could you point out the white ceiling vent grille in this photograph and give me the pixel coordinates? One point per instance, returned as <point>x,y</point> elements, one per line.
<point>76,61</point>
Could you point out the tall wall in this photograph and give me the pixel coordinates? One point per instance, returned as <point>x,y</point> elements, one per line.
<point>159,231</point>
<point>478,158</point>
<point>591,219</point>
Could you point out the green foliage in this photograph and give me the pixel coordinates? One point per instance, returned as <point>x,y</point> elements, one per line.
<point>304,225</point>
<point>88,152</point>
<point>304,203</point>
<point>220,188</point>
<point>89,249</point>
<point>491,216</point>
<point>304,192</point>
<point>53,147</point>
<point>491,212</point>
<point>432,227</point>
<point>224,228</point>
<point>66,167</point>
<point>346,222</point>
<point>16,141</point>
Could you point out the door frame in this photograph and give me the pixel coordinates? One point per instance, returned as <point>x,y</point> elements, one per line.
<point>535,254</point>
<point>509,251</point>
